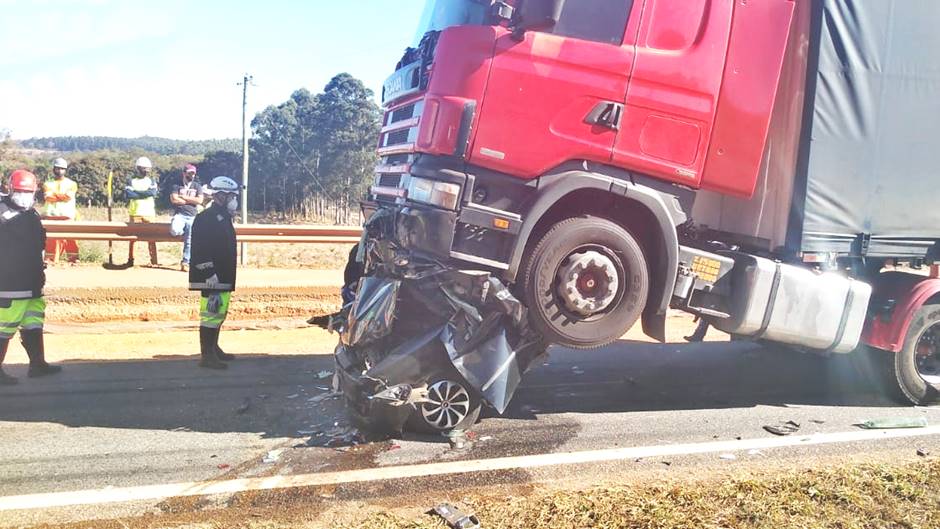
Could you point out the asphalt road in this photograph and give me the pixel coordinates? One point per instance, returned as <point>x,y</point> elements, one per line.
<point>127,424</point>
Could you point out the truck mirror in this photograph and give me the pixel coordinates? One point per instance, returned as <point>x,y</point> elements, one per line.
<point>535,15</point>
<point>503,12</point>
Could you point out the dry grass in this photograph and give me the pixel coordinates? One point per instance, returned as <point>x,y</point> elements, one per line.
<point>870,496</point>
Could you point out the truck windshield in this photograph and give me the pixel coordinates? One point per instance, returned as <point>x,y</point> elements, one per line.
<point>442,14</point>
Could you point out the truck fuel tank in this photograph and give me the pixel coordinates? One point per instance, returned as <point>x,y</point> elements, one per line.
<point>794,305</point>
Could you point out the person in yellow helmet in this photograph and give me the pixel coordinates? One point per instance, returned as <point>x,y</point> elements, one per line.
<point>141,192</point>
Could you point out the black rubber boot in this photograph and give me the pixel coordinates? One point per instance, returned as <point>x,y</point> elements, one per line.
<point>219,353</point>
<point>35,349</point>
<point>207,341</point>
<point>5,379</point>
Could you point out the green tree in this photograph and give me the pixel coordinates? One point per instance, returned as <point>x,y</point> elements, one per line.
<point>314,150</point>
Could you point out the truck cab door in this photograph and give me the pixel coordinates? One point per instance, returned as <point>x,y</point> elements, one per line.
<point>557,95</point>
<point>681,48</point>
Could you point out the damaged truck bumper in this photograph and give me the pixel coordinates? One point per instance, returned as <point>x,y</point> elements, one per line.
<point>426,342</point>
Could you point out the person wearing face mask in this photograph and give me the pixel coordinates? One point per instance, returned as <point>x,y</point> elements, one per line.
<point>59,194</point>
<point>187,198</point>
<point>141,191</point>
<point>214,259</point>
<point>22,275</point>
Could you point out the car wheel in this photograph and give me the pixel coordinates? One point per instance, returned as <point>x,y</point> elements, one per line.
<point>452,405</point>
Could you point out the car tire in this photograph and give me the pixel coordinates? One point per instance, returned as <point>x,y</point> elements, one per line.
<point>548,313</point>
<point>455,406</point>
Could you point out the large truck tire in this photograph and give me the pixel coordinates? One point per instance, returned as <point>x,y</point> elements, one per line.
<point>585,283</point>
<point>916,370</point>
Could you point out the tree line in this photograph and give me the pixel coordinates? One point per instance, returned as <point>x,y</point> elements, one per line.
<point>151,144</point>
<point>311,156</point>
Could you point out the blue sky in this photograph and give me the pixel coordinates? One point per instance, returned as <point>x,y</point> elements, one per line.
<point>170,67</point>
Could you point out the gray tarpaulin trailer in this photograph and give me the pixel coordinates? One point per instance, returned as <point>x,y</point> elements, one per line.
<point>861,81</point>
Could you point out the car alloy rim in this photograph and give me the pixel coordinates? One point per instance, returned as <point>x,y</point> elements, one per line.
<point>447,406</point>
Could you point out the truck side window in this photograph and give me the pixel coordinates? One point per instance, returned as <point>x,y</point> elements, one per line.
<point>597,20</point>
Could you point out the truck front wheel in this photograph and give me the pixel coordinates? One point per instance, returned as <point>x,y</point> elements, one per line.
<point>585,283</point>
<point>917,365</point>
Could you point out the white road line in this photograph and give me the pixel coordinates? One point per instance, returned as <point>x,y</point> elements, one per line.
<point>161,492</point>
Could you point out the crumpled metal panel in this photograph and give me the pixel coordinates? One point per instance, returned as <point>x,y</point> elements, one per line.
<point>373,311</point>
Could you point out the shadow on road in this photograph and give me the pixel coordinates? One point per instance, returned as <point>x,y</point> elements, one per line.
<point>630,377</point>
<point>277,396</point>
<point>265,395</point>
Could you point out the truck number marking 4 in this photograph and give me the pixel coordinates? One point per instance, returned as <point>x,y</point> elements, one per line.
<point>492,154</point>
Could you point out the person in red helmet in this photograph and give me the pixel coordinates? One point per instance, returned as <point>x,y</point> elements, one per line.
<point>22,275</point>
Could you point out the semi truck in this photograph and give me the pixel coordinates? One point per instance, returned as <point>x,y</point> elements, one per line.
<point>558,171</point>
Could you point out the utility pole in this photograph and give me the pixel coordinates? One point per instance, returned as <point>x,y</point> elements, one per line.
<point>244,84</point>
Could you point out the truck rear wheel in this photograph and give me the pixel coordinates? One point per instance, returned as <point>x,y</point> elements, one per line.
<point>586,283</point>
<point>917,365</point>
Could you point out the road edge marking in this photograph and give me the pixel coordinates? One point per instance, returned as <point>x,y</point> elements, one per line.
<point>208,488</point>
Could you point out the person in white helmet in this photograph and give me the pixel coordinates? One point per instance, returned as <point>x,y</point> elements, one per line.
<point>213,270</point>
<point>59,194</point>
<point>141,192</point>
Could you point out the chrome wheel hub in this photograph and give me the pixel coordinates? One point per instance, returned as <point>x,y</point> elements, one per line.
<point>448,404</point>
<point>588,282</point>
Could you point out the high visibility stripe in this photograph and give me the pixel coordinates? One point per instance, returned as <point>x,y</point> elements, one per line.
<point>205,266</point>
<point>32,327</point>
<point>10,294</point>
<point>9,324</point>
<point>205,286</point>
<point>34,314</point>
<point>211,324</point>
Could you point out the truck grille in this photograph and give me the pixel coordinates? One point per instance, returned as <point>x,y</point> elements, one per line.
<point>397,145</point>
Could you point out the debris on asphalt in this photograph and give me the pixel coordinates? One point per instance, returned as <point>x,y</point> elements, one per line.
<point>922,452</point>
<point>486,438</point>
<point>455,518</point>
<point>324,374</point>
<point>667,463</point>
<point>894,422</point>
<point>343,437</point>
<point>457,439</point>
<point>817,421</point>
<point>290,397</point>
<point>394,447</point>
<point>728,457</point>
<point>272,457</point>
<point>263,396</point>
<point>181,429</point>
<point>785,428</point>
<point>577,370</point>
<point>244,406</point>
<point>322,397</point>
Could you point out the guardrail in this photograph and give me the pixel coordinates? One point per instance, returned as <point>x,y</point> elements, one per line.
<point>160,232</point>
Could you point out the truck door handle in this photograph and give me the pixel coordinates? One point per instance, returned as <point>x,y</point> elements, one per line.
<point>606,114</point>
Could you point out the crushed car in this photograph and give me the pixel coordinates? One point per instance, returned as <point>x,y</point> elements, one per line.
<point>423,345</point>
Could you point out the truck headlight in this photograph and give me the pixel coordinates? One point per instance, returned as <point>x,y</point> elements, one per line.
<point>441,194</point>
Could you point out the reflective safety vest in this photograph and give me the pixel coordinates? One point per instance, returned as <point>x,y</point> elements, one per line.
<point>66,208</point>
<point>142,207</point>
